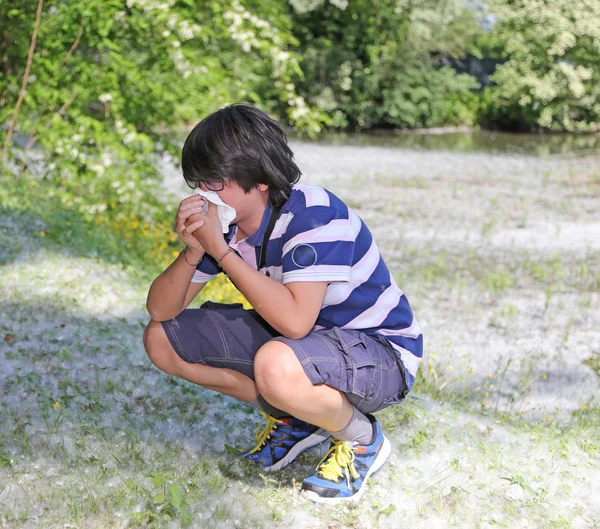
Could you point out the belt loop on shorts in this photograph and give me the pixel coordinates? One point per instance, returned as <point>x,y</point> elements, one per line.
<point>336,330</point>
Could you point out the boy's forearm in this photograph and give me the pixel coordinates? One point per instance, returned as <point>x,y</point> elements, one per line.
<point>272,300</point>
<point>167,293</point>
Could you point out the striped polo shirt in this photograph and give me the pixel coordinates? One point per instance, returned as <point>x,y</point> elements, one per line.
<point>318,238</point>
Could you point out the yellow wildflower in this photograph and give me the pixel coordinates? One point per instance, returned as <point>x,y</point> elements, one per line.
<point>56,405</point>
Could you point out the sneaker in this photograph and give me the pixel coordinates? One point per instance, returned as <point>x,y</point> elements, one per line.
<point>283,440</point>
<point>343,473</point>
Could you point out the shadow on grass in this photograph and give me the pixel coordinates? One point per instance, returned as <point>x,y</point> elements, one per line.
<point>79,394</point>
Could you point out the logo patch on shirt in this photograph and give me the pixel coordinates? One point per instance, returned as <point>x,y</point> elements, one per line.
<point>304,255</point>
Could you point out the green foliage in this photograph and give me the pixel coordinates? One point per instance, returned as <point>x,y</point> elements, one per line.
<point>382,63</point>
<point>109,81</point>
<point>136,234</point>
<point>105,74</point>
<point>551,79</point>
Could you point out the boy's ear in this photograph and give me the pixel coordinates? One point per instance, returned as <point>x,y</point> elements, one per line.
<point>263,187</point>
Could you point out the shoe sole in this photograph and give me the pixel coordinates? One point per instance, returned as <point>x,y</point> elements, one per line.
<point>314,439</point>
<point>381,458</point>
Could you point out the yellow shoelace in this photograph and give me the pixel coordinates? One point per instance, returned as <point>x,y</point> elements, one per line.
<point>267,431</point>
<point>338,462</point>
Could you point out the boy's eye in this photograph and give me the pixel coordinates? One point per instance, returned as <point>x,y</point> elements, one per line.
<point>214,186</point>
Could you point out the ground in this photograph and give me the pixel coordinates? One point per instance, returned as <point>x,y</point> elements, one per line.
<point>500,258</point>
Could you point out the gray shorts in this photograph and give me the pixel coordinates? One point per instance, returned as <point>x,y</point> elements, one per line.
<point>363,366</point>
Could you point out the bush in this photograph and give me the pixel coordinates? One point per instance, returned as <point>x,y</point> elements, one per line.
<point>551,79</point>
<point>372,64</point>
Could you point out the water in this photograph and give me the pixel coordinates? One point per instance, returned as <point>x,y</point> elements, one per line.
<point>472,141</point>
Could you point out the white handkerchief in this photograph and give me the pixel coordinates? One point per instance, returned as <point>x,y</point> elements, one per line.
<point>226,213</point>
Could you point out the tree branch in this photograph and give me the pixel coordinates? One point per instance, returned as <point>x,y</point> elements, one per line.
<point>23,91</point>
<point>32,138</point>
<point>32,135</point>
<point>73,47</point>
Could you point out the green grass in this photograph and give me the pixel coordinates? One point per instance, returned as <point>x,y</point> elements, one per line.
<point>99,438</point>
<point>501,271</point>
<point>593,362</point>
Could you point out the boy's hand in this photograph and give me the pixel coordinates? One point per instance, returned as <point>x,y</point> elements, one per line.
<point>187,221</point>
<point>209,234</point>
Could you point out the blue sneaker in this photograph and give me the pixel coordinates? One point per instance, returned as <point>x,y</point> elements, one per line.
<point>283,440</point>
<point>343,473</point>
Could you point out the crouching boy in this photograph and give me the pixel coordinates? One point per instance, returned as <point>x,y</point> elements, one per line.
<point>331,337</point>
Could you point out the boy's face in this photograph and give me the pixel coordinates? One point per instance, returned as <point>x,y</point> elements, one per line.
<point>247,205</point>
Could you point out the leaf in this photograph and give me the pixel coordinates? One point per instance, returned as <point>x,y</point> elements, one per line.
<point>519,480</point>
<point>232,450</point>
<point>158,481</point>
<point>389,510</point>
<point>186,517</point>
<point>159,497</point>
<point>175,493</point>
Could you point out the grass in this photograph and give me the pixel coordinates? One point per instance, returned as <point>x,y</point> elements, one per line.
<point>92,435</point>
<point>499,271</point>
<point>593,362</point>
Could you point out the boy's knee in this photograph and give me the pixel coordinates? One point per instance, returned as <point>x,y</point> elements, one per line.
<point>275,369</point>
<point>157,345</point>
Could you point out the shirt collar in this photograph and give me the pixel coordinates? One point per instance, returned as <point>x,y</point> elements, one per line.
<point>256,238</point>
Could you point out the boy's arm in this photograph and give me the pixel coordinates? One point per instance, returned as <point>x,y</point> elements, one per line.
<point>171,292</point>
<point>292,309</point>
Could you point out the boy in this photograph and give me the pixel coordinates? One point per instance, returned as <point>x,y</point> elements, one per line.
<point>331,339</point>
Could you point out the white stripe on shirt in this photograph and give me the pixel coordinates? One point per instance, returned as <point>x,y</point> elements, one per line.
<point>414,331</point>
<point>361,272</point>
<point>334,231</point>
<point>379,311</point>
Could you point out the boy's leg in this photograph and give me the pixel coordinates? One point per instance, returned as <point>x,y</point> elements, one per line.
<point>329,378</point>
<point>283,382</point>
<point>323,377</point>
<point>222,380</point>
<point>215,347</point>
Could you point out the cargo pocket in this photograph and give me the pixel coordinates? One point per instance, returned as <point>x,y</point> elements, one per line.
<point>358,368</point>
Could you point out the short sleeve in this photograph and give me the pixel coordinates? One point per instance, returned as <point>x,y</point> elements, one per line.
<point>206,270</point>
<point>318,245</point>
